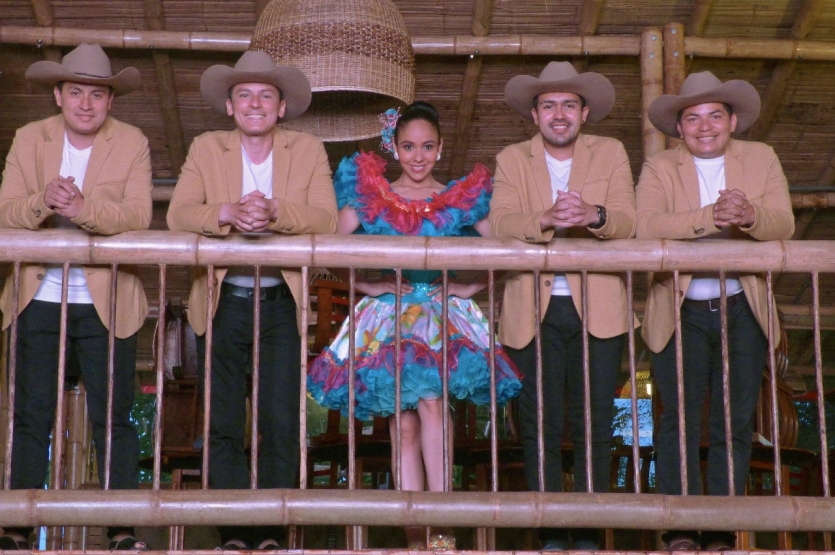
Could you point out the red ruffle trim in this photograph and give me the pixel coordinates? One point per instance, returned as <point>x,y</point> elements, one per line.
<point>405,215</point>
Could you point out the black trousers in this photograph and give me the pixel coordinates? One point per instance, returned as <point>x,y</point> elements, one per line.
<point>36,392</point>
<point>278,407</point>
<point>563,394</point>
<point>702,359</point>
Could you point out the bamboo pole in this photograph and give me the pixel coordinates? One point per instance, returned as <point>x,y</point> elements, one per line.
<point>449,45</point>
<point>652,83</point>
<point>461,253</point>
<point>155,19</point>
<point>698,17</point>
<point>44,18</point>
<point>590,17</point>
<point>73,536</point>
<point>674,64</point>
<point>483,12</point>
<point>411,508</point>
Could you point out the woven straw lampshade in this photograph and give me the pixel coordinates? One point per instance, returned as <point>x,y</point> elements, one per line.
<point>357,55</point>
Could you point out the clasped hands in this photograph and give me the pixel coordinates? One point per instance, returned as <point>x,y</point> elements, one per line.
<point>252,214</point>
<point>569,210</point>
<point>64,197</point>
<point>732,208</point>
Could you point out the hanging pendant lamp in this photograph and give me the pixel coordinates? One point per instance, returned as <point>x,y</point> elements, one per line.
<point>357,55</point>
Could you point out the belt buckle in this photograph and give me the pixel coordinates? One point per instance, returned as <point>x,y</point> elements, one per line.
<point>250,293</point>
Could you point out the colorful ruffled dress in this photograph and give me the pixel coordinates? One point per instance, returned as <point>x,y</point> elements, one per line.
<point>360,183</point>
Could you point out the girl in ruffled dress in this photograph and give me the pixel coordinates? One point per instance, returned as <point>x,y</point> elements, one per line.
<point>414,204</point>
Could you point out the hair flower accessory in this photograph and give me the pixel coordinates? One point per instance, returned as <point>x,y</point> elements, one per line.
<point>388,120</point>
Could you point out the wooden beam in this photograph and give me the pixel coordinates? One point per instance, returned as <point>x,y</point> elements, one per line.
<point>155,19</point>
<point>482,14</point>
<point>44,18</point>
<point>783,71</point>
<point>652,86</point>
<point>698,17</point>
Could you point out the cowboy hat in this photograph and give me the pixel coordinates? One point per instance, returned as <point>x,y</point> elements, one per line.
<point>86,64</point>
<point>596,90</point>
<point>256,66</point>
<point>701,88</point>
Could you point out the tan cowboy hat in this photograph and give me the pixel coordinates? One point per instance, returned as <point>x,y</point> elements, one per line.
<point>86,64</point>
<point>595,89</point>
<point>256,66</point>
<point>701,88</point>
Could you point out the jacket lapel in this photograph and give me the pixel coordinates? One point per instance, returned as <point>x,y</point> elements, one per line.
<point>689,177</point>
<point>579,165</point>
<point>734,170</point>
<point>541,175</point>
<point>53,151</point>
<point>281,164</point>
<point>102,146</point>
<point>234,167</point>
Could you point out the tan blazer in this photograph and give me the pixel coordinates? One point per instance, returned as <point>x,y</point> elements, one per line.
<point>522,192</point>
<point>669,207</point>
<point>117,197</point>
<point>213,175</point>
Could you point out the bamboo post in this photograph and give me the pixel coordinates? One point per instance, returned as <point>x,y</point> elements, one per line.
<point>44,18</point>
<point>652,82</point>
<point>674,64</point>
<point>73,535</point>
<point>698,17</point>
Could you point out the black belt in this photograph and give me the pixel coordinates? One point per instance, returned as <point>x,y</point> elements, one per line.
<point>713,304</point>
<point>280,291</point>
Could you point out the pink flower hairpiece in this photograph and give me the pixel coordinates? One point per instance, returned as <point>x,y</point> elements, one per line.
<point>388,120</point>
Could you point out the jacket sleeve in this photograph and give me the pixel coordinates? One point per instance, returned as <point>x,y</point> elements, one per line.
<point>21,202</point>
<point>657,218</point>
<point>620,200</point>
<point>316,211</point>
<point>114,207</point>
<point>773,216</point>
<point>188,210</point>
<point>508,216</point>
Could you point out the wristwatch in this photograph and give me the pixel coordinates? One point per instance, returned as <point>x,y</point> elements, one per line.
<point>601,215</point>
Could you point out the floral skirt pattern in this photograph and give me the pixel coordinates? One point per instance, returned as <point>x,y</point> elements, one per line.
<point>420,356</point>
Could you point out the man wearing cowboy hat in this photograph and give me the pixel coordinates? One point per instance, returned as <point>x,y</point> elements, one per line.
<point>710,186</point>
<point>563,183</point>
<point>78,169</point>
<point>256,178</point>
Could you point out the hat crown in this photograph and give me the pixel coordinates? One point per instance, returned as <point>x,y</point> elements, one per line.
<point>698,83</point>
<point>88,60</point>
<point>558,71</point>
<point>255,61</point>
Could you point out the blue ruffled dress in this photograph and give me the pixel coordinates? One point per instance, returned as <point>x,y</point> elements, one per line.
<point>359,183</point>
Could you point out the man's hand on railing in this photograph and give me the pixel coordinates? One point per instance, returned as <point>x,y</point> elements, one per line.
<point>62,195</point>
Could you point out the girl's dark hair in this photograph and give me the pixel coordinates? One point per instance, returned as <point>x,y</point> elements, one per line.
<point>415,111</point>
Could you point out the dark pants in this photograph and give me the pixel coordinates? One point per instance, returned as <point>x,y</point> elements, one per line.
<point>36,392</point>
<point>702,356</point>
<point>563,393</point>
<point>278,404</point>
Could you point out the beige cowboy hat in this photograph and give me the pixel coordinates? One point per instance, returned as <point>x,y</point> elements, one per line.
<point>595,89</point>
<point>86,64</point>
<point>256,66</point>
<point>701,88</point>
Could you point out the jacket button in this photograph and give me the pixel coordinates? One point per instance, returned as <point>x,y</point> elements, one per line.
<point>40,277</point>
<point>547,283</point>
<point>699,231</point>
<point>37,213</point>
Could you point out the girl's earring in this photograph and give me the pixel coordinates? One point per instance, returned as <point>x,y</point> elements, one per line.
<point>396,156</point>
<point>438,157</point>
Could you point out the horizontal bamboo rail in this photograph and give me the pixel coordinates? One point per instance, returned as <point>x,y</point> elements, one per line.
<point>179,248</point>
<point>411,508</point>
<point>450,45</point>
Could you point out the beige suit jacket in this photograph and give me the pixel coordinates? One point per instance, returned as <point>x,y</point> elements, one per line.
<point>213,175</point>
<point>669,207</point>
<point>117,197</point>
<point>522,192</point>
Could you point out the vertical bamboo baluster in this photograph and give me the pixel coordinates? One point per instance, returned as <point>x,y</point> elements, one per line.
<point>111,354</point>
<point>12,375</point>
<point>633,381</point>
<point>584,293</point>
<point>682,427</point>
<point>726,381</point>
<point>256,377</point>
<point>207,375</point>
<point>445,427</point>
<point>816,325</point>
<point>540,439</point>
